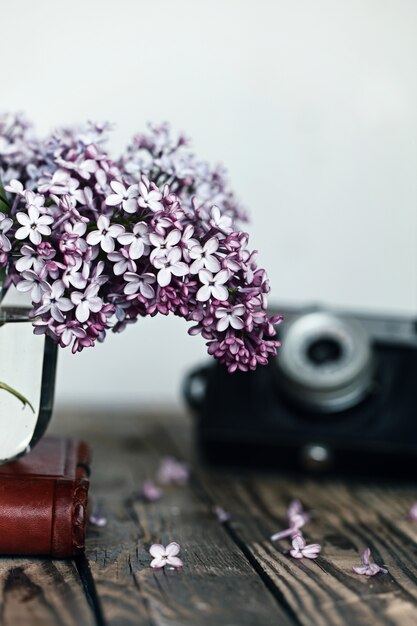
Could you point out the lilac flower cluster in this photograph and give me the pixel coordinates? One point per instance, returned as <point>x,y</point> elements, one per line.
<point>98,243</point>
<point>169,160</point>
<point>19,148</point>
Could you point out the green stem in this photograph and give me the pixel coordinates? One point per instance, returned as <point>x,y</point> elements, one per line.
<point>17,395</point>
<point>4,205</point>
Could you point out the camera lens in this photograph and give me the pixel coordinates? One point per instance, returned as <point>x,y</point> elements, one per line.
<point>325,362</point>
<point>323,351</point>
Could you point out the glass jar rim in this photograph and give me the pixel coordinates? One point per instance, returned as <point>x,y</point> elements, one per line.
<point>15,314</point>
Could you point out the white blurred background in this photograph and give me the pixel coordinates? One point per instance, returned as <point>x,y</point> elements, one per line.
<point>310,104</point>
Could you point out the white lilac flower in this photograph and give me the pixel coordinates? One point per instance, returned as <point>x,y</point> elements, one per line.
<point>54,303</point>
<point>170,264</point>
<point>58,183</point>
<point>164,244</point>
<point>69,331</point>
<point>73,276</point>
<point>140,284</point>
<point>15,186</point>
<point>5,225</point>
<point>204,256</point>
<point>137,241</point>
<point>105,235</point>
<point>29,259</point>
<point>213,286</point>
<point>230,317</point>
<point>83,167</point>
<point>33,225</point>
<point>33,283</point>
<point>86,303</point>
<point>187,242</point>
<point>76,230</point>
<point>165,556</point>
<point>127,197</point>
<point>222,222</point>
<point>36,200</point>
<point>122,262</point>
<point>149,197</point>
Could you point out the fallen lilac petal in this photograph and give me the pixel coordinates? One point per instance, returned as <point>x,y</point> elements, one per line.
<point>312,550</point>
<point>296,513</point>
<point>412,513</point>
<point>297,518</point>
<point>368,568</point>
<point>173,472</point>
<point>301,549</point>
<point>288,532</point>
<point>295,508</point>
<point>97,518</point>
<point>150,492</point>
<point>222,515</point>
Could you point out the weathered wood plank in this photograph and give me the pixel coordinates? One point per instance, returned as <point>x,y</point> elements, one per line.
<point>326,592</point>
<point>217,585</point>
<point>41,593</point>
<point>323,593</point>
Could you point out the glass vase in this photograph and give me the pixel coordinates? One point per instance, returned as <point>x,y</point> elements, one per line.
<point>27,366</point>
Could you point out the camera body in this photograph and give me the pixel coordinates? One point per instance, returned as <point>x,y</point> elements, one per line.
<point>340,397</point>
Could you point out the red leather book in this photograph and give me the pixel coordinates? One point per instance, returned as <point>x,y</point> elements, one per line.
<point>43,500</point>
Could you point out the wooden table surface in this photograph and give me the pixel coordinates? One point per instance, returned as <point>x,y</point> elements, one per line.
<point>233,574</point>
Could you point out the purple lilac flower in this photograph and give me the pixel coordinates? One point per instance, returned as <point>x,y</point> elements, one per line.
<point>100,243</point>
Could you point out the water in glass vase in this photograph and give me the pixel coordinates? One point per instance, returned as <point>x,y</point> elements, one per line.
<point>27,366</point>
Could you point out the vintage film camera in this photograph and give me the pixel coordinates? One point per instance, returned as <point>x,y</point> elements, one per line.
<point>340,397</point>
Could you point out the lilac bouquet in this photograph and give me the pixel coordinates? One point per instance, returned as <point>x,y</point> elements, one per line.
<point>98,243</point>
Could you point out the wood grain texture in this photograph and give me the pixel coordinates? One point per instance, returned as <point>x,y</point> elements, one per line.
<point>345,520</point>
<point>40,592</point>
<point>217,585</point>
<point>233,574</point>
